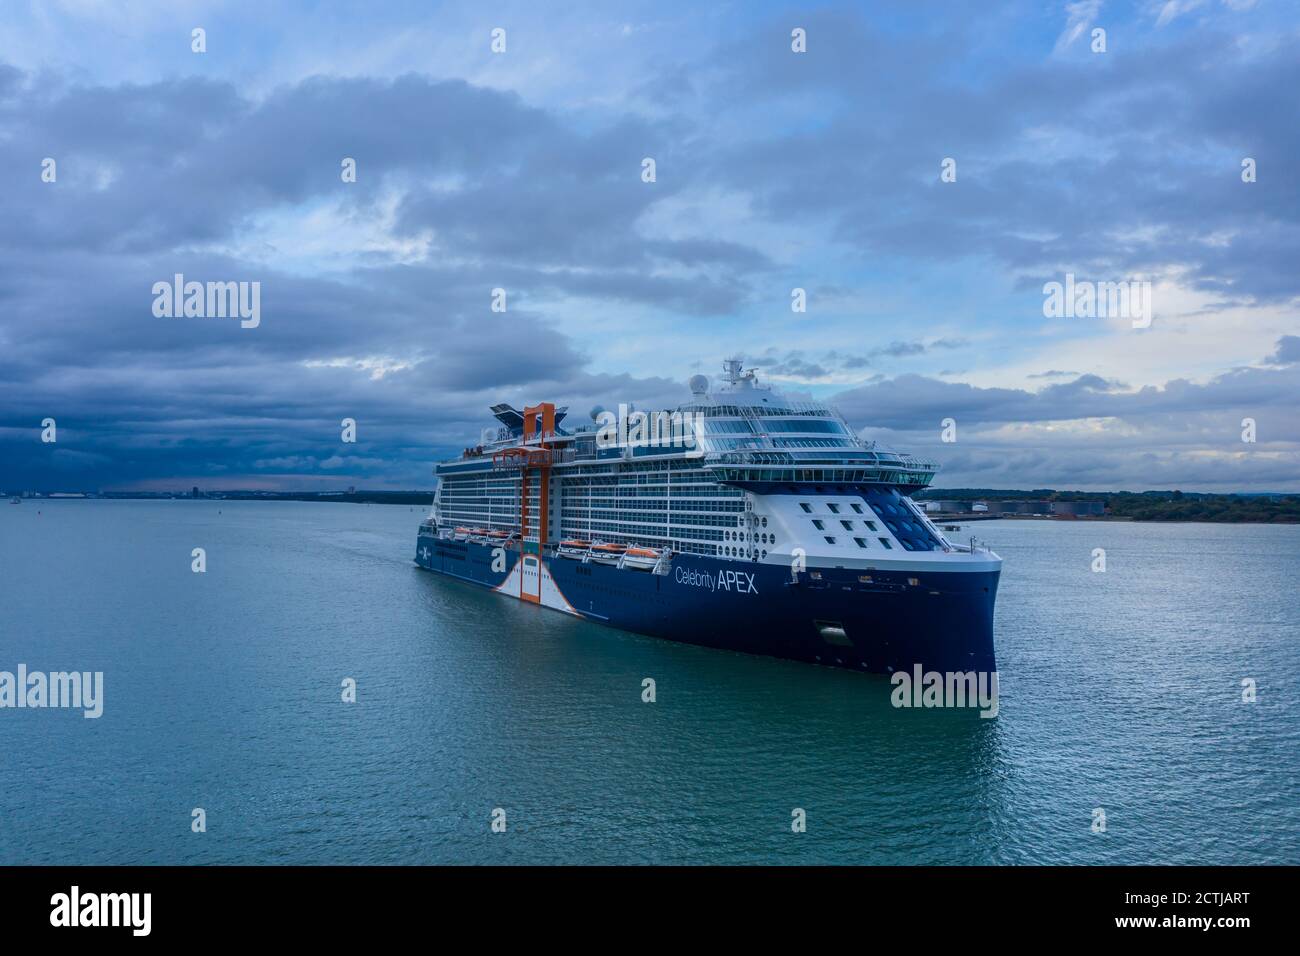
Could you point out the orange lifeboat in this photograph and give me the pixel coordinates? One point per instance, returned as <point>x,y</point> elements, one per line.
<point>607,553</point>
<point>574,549</point>
<point>642,559</point>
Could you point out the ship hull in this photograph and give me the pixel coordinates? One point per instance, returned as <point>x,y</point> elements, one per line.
<point>943,622</point>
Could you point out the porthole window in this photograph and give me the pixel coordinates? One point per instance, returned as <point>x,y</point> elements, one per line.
<point>764,522</point>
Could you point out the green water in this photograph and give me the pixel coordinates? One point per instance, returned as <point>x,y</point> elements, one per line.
<point>1119,691</point>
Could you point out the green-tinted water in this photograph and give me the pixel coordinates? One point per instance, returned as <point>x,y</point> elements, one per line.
<point>1120,691</point>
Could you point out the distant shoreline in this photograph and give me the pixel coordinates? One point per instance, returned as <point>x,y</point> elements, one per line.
<point>1146,507</point>
<point>358,497</point>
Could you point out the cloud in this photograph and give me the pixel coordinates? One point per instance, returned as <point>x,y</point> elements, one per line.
<point>775,171</point>
<point>1078,17</point>
<point>1288,351</point>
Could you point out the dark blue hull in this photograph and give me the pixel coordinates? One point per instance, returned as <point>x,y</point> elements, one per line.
<point>944,622</point>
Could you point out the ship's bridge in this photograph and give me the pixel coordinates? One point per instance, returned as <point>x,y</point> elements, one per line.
<point>755,436</point>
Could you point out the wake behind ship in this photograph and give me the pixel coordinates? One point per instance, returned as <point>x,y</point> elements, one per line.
<point>741,520</point>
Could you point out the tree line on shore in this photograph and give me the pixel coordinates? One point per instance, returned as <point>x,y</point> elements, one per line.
<point>1149,505</point>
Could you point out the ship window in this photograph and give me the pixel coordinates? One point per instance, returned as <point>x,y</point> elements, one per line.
<point>806,507</point>
<point>864,578</point>
<point>862,542</point>
<point>848,525</point>
<point>818,525</point>
<point>857,508</point>
<point>871,525</point>
<point>885,542</point>
<point>835,509</point>
<point>764,553</point>
<point>765,521</point>
<point>829,539</point>
<point>913,581</point>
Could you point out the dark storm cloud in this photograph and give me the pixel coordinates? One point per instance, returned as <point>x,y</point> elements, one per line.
<point>794,364</point>
<point>917,402</point>
<point>1119,164</point>
<point>1182,434</point>
<point>155,179</point>
<point>1115,165</point>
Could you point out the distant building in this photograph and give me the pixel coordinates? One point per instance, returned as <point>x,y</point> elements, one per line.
<point>948,506</point>
<point>1079,509</point>
<point>1020,507</point>
<point>979,506</point>
<point>194,492</point>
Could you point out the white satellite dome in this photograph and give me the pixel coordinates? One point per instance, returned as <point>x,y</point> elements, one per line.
<point>699,384</point>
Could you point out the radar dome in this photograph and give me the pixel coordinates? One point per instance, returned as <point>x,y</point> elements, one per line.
<point>699,384</point>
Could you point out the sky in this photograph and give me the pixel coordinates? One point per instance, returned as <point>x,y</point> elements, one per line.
<point>922,171</point>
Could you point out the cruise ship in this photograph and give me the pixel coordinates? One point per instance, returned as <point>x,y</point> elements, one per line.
<point>741,520</point>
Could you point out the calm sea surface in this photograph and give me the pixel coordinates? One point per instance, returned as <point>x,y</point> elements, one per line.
<point>1120,691</point>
